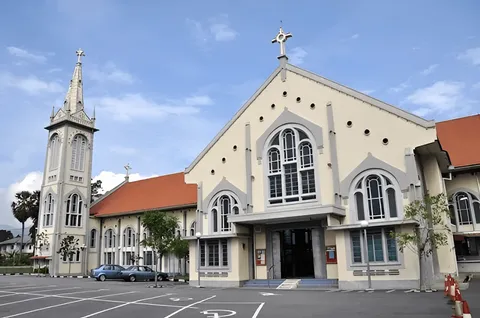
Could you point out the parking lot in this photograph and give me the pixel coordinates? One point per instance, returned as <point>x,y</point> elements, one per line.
<point>25,296</point>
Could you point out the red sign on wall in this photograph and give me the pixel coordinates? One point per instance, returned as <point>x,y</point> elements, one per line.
<point>331,254</point>
<point>261,259</point>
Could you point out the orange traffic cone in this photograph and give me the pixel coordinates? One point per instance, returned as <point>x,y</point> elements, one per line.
<point>466,310</point>
<point>457,304</point>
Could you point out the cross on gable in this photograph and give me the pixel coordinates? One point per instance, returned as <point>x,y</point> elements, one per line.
<point>80,53</point>
<point>282,38</point>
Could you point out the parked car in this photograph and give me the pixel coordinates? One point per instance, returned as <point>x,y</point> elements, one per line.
<point>135,273</point>
<point>107,271</point>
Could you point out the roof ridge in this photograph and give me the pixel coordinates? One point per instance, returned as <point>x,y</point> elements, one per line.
<point>458,118</point>
<point>160,176</point>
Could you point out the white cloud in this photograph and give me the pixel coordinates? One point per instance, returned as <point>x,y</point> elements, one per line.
<point>23,54</point>
<point>440,97</point>
<point>216,29</point>
<point>471,55</point>
<point>429,70</point>
<point>110,73</point>
<point>29,84</point>
<point>400,87</point>
<point>132,106</point>
<point>30,182</point>
<point>111,179</point>
<point>297,55</point>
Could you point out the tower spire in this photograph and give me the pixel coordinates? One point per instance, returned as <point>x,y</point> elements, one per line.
<point>74,98</point>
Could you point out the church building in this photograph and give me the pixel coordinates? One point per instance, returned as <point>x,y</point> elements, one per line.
<point>284,191</point>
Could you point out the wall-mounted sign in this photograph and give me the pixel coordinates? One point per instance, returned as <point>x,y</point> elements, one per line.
<point>331,253</point>
<point>260,259</point>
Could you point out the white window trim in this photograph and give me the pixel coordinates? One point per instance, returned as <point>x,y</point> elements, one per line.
<point>193,229</point>
<point>267,174</point>
<point>384,249</point>
<point>48,209</point>
<point>129,237</point>
<point>80,209</point>
<point>74,259</point>
<point>206,267</point>
<point>79,150</point>
<point>54,155</point>
<point>231,196</point>
<point>398,197</point>
<point>93,238</point>
<point>472,198</point>
<point>107,239</point>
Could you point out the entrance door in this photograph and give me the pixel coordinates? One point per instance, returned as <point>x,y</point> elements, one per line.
<point>297,254</point>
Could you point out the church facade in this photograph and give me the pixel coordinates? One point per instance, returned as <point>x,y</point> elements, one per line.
<point>284,191</point>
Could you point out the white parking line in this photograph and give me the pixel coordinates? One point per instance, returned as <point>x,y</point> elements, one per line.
<point>21,301</point>
<point>64,304</point>
<point>82,292</point>
<point>232,303</point>
<point>123,305</point>
<point>332,291</point>
<point>390,291</point>
<point>185,307</point>
<point>258,310</point>
<point>27,287</point>
<point>360,291</point>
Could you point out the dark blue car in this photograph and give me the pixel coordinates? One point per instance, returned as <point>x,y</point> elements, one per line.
<point>107,271</point>
<point>142,273</point>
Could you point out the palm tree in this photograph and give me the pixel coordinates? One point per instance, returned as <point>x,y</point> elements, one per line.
<point>35,196</point>
<point>22,210</point>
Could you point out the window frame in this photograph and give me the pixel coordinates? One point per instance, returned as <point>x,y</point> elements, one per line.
<point>78,213</point>
<point>110,239</point>
<point>93,238</point>
<point>48,210</point>
<point>129,236</point>
<point>473,199</point>
<point>54,153</point>
<point>215,206</point>
<point>282,161</point>
<point>385,252</point>
<point>204,260</point>
<point>79,147</point>
<point>354,190</point>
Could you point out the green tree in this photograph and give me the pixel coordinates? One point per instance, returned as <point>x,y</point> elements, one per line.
<point>431,230</point>
<point>161,227</point>
<point>69,246</point>
<point>23,207</point>
<point>95,188</point>
<point>34,213</point>
<point>5,235</point>
<point>180,249</point>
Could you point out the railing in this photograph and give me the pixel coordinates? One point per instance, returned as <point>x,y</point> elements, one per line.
<point>268,274</point>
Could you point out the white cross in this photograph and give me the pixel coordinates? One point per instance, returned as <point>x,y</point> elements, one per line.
<point>128,168</point>
<point>282,38</point>
<point>80,53</point>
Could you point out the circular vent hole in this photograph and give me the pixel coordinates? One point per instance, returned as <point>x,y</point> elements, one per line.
<point>366,132</point>
<point>261,118</point>
<point>212,171</point>
<point>298,99</point>
<point>235,148</point>
<point>349,123</point>
<point>224,160</point>
<point>312,106</point>
<point>385,141</point>
<point>284,93</point>
<point>273,106</point>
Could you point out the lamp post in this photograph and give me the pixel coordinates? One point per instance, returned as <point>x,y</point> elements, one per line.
<point>84,263</point>
<point>198,235</point>
<point>364,225</point>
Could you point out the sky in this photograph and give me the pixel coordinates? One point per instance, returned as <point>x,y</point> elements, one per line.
<point>165,78</point>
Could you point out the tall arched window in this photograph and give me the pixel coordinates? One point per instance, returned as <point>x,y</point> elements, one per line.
<point>48,209</point>
<point>223,205</point>
<point>291,167</point>
<point>93,238</point>
<point>128,237</point>
<point>462,205</point>
<point>193,228</point>
<point>54,151</point>
<point>79,146</point>
<point>73,216</point>
<point>376,196</point>
<point>110,238</point>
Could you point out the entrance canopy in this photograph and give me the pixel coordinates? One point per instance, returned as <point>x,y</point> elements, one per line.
<point>284,216</point>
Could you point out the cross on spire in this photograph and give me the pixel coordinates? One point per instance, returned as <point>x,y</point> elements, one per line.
<point>128,168</point>
<point>282,38</point>
<point>80,53</point>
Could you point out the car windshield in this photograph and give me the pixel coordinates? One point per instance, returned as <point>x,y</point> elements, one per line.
<point>131,268</point>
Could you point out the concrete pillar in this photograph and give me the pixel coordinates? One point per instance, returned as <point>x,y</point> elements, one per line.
<point>318,248</point>
<point>277,262</point>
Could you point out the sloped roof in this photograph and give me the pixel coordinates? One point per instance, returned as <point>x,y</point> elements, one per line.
<point>16,240</point>
<point>324,81</point>
<point>460,137</point>
<point>158,193</point>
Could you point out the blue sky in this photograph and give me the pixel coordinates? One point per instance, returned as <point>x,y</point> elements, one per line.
<point>165,78</point>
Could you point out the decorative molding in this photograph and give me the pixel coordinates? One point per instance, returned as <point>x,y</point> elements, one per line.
<point>225,185</point>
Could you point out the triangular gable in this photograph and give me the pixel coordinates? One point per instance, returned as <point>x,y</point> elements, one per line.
<point>82,115</point>
<point>60,113</point>
<point>324,81</point>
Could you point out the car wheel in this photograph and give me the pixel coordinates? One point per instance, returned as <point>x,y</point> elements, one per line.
<point>102,278</point>
<point>132,278</point>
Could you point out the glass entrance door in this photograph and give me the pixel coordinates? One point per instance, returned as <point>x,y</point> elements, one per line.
<point>296,253</point>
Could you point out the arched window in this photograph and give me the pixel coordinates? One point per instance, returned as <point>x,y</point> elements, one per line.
<point>462,205</point>
<point>223,205</point>
<point>93,238</point>
<point>73,216</point>
<point>193,228</point>
<point>79,145</point>
<point>376,196</point>
<point>110,238</point>
<point>54,151</point>
<point>48,209</point>
<point>291,167</point>
<point>128,237</point>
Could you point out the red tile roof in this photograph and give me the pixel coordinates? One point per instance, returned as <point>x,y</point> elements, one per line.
<point>168,191</point>
<point>461,139</point>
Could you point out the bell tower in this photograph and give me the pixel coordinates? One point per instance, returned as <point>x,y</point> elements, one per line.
<point>65,192</point>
